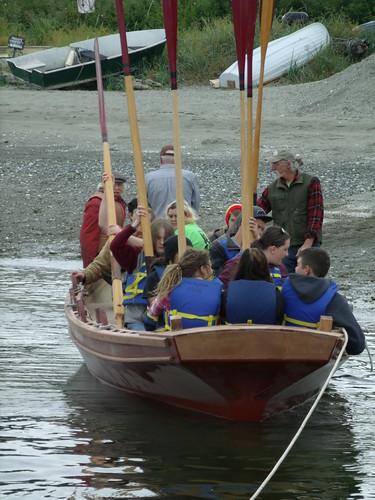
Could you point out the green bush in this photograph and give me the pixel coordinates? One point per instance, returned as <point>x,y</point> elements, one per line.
<point>206,45</point>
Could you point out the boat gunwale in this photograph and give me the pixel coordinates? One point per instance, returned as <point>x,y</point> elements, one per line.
<point>206,339</point>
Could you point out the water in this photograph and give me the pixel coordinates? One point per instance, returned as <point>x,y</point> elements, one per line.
<point>66,436</point>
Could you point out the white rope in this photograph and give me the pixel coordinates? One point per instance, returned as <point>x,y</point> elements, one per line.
<point>305,420</point>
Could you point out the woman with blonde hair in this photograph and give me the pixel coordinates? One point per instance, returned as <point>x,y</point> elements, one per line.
<point>187,289</point>
<point>195,234</point>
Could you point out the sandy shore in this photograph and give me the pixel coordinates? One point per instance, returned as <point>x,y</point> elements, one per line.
<point>51,157</point>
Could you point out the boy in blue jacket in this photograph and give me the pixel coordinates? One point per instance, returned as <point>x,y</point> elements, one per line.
<point>309,295</point>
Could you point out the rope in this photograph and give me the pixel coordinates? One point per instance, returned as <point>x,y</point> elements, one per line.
<point>305,420</point>
<point>370,357</point>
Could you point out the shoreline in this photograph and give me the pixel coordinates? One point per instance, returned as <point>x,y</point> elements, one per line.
<point>52,156</point>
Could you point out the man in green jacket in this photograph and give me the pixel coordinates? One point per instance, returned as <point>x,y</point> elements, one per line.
<point>296,201</point>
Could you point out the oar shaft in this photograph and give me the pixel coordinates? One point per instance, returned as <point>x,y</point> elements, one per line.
<point>117,295</point>
<point>244,175</point>
<point>134,132</point>
<point>267,11</point>
<point>170,24</point>
<point>250,147</point>
<point>178,176</point>
<point>138,162</point>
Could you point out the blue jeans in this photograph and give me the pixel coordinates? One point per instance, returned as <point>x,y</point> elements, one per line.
<point>291,260</point>
<point>136,326</point>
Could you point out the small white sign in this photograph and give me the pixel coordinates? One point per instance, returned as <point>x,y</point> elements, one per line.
<point>86,6</point>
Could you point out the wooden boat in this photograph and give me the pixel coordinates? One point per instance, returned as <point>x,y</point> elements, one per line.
<point>237,372</point>
<point>75,64</point>
<point>283,54</point>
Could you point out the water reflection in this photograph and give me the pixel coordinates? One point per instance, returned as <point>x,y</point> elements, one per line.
<point>65,435</point>
<point>178,454</point>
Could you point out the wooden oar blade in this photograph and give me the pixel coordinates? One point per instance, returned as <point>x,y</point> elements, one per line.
<point>170,25</point>
<point>266,13</point>
<point>136,143</point>
<point>250,45</point>
<point>240,12</point>
<point>267,9</point>
<point>123,40</point>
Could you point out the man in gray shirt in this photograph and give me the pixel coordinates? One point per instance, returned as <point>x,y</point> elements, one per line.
<point>161,184</point>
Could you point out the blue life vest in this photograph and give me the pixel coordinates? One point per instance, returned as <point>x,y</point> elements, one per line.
<point>152,321</point>
<point>135,283</point>
<point>230,253</point>
<point>298,313</point>
<point>197,301</point>
<point>275,273</point>
<point>251,301</point>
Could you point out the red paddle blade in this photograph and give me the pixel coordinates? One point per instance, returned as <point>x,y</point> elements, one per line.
<point>98,67</point>
<point>250,46</point>
<point>170,25</point>
<point>123,41</point>
<point>240,11</point>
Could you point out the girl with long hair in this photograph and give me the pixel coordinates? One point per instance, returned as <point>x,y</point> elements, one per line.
<point>188,289</point>
<point>252,296</point>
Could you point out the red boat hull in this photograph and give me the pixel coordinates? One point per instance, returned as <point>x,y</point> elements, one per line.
<point>237,372</point>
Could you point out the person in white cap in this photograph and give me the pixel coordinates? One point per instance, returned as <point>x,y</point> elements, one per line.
<point>161,187</point>
<point>296,201</point>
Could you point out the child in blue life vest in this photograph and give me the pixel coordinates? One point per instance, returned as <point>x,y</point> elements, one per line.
<point>274,242</point>
<point>132,259</point>
<point>252,297</point>
<point>309,295</point>
<point>187,289</point>
<point>157,269</point>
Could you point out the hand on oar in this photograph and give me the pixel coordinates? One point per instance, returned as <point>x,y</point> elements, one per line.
<point>139,212</point>
<point>105,178</point>
<point>253,227</point>
<point>79,276</point>
<point>113,229</point>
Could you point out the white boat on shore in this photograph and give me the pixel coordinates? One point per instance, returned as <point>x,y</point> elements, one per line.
<point>284,53</point>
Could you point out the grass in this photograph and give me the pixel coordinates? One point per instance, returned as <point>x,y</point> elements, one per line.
<point>203,50</point>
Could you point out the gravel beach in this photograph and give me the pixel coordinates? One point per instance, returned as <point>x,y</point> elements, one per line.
<point>51,158</point>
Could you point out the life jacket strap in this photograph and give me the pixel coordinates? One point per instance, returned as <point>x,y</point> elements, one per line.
<point>300,323</point>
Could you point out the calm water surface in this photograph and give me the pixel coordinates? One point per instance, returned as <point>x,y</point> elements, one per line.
<point>64,435</point>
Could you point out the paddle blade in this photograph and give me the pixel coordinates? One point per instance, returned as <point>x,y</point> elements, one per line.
<point>240,12</point>
<point>170,25</point>
<point>250,46</point>
<point>266,13</point>
<point>123,40</point>
<point>99,82</point>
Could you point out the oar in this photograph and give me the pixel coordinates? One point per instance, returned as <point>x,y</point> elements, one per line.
<point>108,186</point>
<point>136,142</point>
<point>266,15</point>
<point>250,48</point>
<point>170,25</point>
<point>240,11</point>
